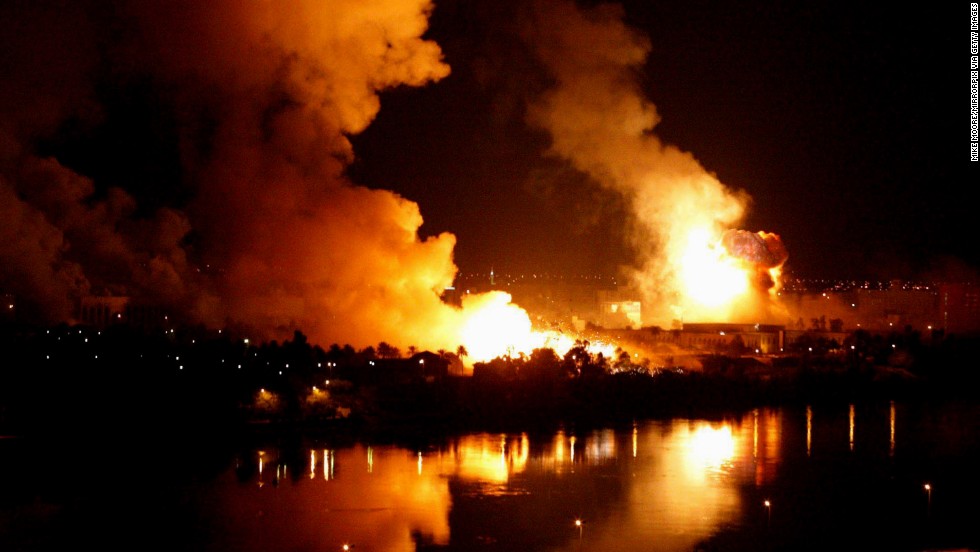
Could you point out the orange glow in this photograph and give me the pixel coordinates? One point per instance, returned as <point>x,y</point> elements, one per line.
<point>714,281</point>
<point>710,276</point>
<point>494,327</point>
<point>710,449</point>
<point>490,459</point>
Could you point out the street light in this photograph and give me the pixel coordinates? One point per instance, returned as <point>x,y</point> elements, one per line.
<point>928,489</point>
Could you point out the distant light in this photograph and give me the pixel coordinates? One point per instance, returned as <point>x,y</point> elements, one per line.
<point>421,361</point>
<point>245,341</point>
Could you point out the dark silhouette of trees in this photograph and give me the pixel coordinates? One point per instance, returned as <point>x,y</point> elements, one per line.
<point>67,377</point>
<point>387,351</point>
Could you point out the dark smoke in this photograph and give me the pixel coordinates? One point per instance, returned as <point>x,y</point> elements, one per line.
<point>762,249</point>
<point>258,100</point>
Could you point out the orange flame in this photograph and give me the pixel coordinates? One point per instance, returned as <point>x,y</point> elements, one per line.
<point>494,327</point>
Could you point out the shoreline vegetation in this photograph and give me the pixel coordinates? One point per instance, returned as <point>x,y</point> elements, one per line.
<point>70,381</point>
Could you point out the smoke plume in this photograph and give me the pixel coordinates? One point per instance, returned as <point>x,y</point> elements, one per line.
<point>264,96</point>
<point>600,121</point>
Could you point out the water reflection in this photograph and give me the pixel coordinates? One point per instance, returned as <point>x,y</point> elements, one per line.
<point>388,503</point>
<point>891,428</point>
<point>676,482</point>
<point>659,485</point>
<point>809,430</point>
<point>484,458</point>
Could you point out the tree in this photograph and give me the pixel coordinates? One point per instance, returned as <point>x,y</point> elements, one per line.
<point>386,350</point>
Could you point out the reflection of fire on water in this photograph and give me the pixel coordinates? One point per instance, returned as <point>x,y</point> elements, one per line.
<point>485,458</point>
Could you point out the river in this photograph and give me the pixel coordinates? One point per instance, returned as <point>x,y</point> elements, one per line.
<point>879,476</point>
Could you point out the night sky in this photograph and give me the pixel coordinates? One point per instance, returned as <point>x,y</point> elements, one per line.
<point>247,161</point>
<point>847,124</point>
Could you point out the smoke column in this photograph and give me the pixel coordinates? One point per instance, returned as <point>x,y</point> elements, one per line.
<point>274,237</point>
<point>601,123</point>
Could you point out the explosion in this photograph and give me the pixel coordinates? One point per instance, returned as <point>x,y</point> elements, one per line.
<point>493,327</point>
<point>273,236</point>
<point>719,275</point>
<point>690,264</point>
<point>710,274</point>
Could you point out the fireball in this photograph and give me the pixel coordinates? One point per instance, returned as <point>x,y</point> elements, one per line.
<point>710,276</point>
<point>494,327</point>
<point>721,275</point>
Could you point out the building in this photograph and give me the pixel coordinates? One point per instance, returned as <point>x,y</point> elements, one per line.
<point>761,338</point>
<point>959,307</point>
<point>101,311</point>
<point>619,308</point>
